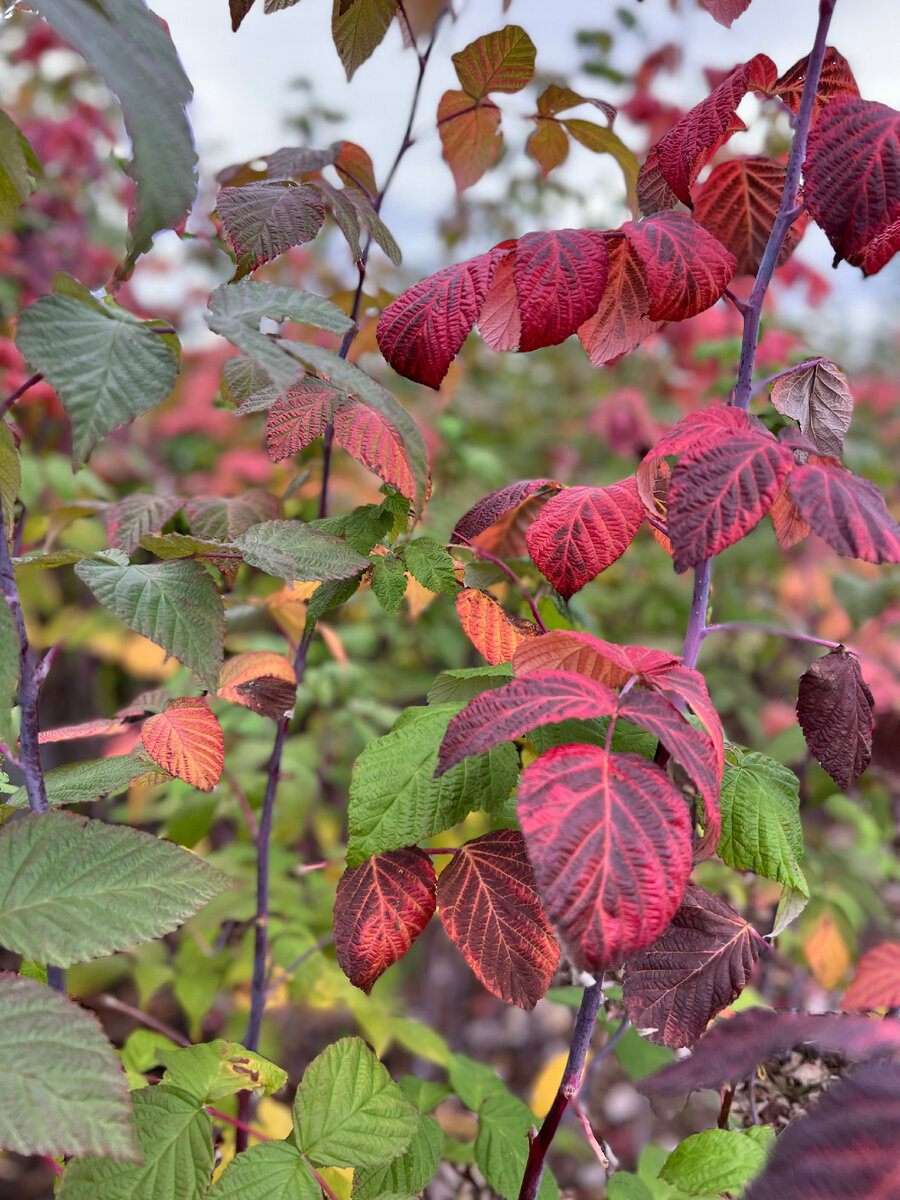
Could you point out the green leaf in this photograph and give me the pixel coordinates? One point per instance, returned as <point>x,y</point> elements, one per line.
<point>169,546</point>
<point>82,782</point>
<point>430,563</point>
<point>72,889</point>
<point>462,684</point>
<point>236,309</point>
<point>174,604</point>
<point>366,526</point>
<point>423,1094</point>
<point>761,828</point>
<point>215,1069</point>
<point>718,1160</point>
<point>246,385</point>
<point>409,1173</point>
<point>791,904</point>
<point>372,223</point>
<point>18,167</point>
<point>625,1186</point>
<point>497,62</point>
<point>174,1137</point>
<point>9,668</point>
<point>265,218</point>
<point>394,801</point>
<point>271,1171</point>
<point>501,1148</point>
<point>350,377</point>
<point>219,519</point>
<point>604,141</point>
<point>473,1081</point>
<point>10,478</point>
<point>296,550</point>
<point>357,27</point>
<point>348,1112</point>
<point>62,1089</point>
<point>131,50</point>
<point>107,366</point>
<point>328,596</point>
<point>388,582</point>
<point>638,1057</point>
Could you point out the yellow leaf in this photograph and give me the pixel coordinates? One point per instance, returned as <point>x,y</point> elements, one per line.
<point>826,951</point>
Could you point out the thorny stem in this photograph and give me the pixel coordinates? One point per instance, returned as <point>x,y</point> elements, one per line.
<point>511,576</point>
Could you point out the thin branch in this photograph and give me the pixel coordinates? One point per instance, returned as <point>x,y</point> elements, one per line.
<point>240,796</point>
<point>237,1123</point>
<point>511,576</point>
<point>774,631</point>
<point>10,400</point>
<point>760,384</point>
<point>117,1005</point>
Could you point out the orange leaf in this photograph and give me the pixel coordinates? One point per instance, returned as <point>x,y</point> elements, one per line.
<point>260,680</point>
<point>826,951</point>
<point>470,137</point>
<point>489,627</point>
<point>96,728</point>
<point>876,983</point>
<point>186,740</point>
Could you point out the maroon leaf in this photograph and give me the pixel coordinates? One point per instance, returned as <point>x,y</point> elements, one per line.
<point>262,220</point>
<point>686,269</point>
<point>498,523</point>
<point>592,657</point>
<point>355,168</point>
<point>380,909</point>
<point>610,840</point>
<point>836,79</point>
<point>835,710</point>
<point>653,193</point>
<point>469,131</point>
<point>876,983</point>
<point>268,696</point>
<point>490,907</point>
<point>725,11</point>
<point>582,531</point>
<point>499,322</point>
<point>722,491</point>
<point>738,204</point>
<point>509,712</point>
<point>846,1146</point>
<point>701,963</point>
<point>852,181</point>
<point>848,512</point>
<point>732,1049</point>
<point>620,322</point>
<point>130,519</point>
<point>559,278</point>
<point>239,10</point>
<point>818,396</point>
<point>690,142</point>
<point>423,330</point>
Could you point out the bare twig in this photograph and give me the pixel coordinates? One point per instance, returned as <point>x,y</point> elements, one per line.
<point>113,1002</point>
<point>10,400</point>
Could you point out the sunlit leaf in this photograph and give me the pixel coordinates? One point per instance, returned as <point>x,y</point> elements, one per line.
<point>187,741</point>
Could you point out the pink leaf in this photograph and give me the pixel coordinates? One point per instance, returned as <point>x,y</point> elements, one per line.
<point>848,512</point>
<point>686,269</point>
<point>559,279</point>
<point>620,322</point>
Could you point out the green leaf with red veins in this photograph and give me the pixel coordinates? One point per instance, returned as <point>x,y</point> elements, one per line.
<point>498,62</point>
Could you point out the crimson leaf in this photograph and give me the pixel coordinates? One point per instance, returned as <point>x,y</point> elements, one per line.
<point>610,840</point>
<point>725,11</point>
<point>500,322</point>
<point>834,707</point>
<point>686,269</point>
<point>498,522</point>
<point>700,964</point>
<point>620,322</point>
<point>848,512</point>
<point>835,79</point>
<point>590,656</point>
<point>876,983</point>
<point>380,909</point>
<point>489,906</point>
<point>559,279</point>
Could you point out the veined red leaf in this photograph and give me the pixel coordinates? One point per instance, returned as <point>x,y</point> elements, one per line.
<point>738,204</point>
<point>99,727</point>
<point>260,680</point>
<point>582,531</point>
<point>497,62</point>
<point>686,269</point>
<point>721,492</point>
<point>490,908</point>
<point>732,1049</point>
<point>548,145</point>
<point>355,168</point>
<point>690,687</point>
<point>689,143</point>
<point>613,665</point>
<point>789,526</point>
<point>725,11</point>
<point>370,438</point>
<point>509,712</point>
<point>470,136</point>
<point>186,740</point>
<point>848,512</point>
<point>130,519</point>
<point>703,428</point>
<point>609,837</point>
<point>876,983</point>
<point>702,962</point>
<point>818,397</point>
<point>498,523</point>
<point>423,330</point>
<point>847,1146</point>
<point>835,710</point>
<point>653,193</point>
<point>559,278</point>
<point>489,627</point>
<point>499,322</point>
<point>299,417</point>
<point>262,220</point>
<point>851,181</point>
<point>836,79</point>
<point>621,321</point>
<point>380,909</point>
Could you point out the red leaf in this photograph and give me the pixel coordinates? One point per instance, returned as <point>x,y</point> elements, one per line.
<point>499,322</point>
<point>490,908</point>
<point>497,62</point>
<point>686,269</point>
<point>590,656</point>
<point>371,439</point>
<point>239,10</point>
<point>489,627</point>
<point>835,710</point>
<point>620,322</point>
<point>559,278</point>
<point>732,1049</point>
<point>380,909</point>
<point>98,727</point>
<point>689,143</point>
<point>851,181</point>
<point>499,522</point>
<point>582,531</point>
<point>790,528</point>
<point>846,1146</point>
<point>130,519</point>
<point>261,681</point>
<point>836,79</point>
<point>300,417</point>
<point>355,168</point>
<point>701,963</point>
<point>263,219</point>
<point>610,840</point>
<point>548,145</point>
<point>690,686</point>
<point>722,491</point>
<point>738,204</point>
<point>469,136</point>
<point>703,428</point>
<point>848,512</point>
<point>186,740</point>
<point>423,330</point>
<point>509,712</point>
<point>653,193</point>
<point>876,983</point>
<point>725,11</point>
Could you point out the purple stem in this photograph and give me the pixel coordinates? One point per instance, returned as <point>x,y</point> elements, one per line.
<point>510,575</point>
<point>804,366</point>
<point>773,631</point>
<point>693,638</point>
<point>20,391</point>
